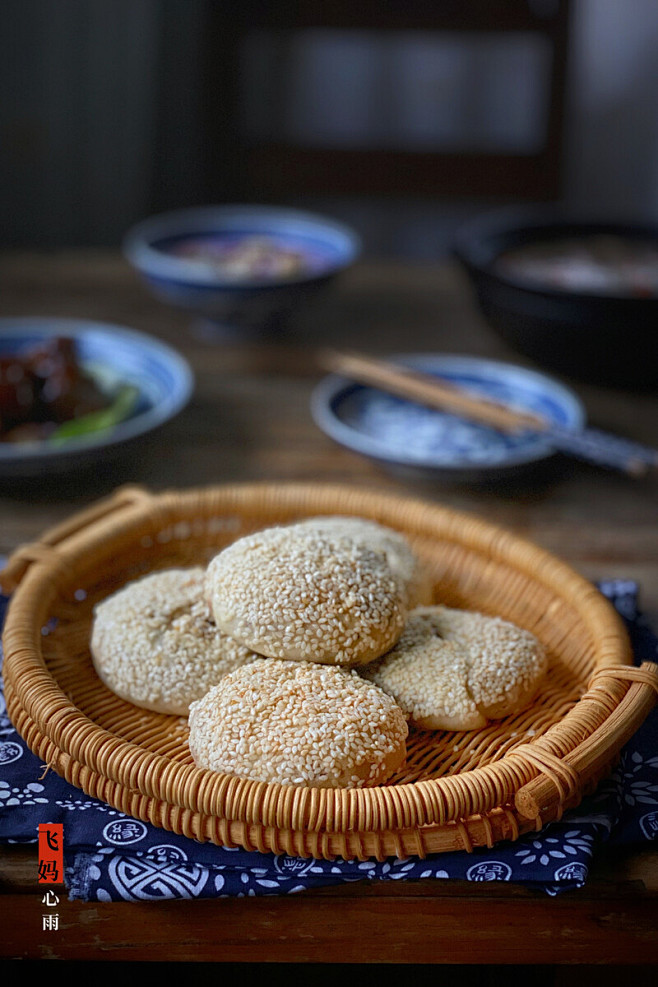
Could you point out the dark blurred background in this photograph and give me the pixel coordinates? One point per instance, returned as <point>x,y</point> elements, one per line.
<point>401,118</point>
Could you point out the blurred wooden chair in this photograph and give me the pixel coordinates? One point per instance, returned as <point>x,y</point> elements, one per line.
<point>241,165</point>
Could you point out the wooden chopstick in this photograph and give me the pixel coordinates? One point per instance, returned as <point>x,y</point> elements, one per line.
<point>429,391</point>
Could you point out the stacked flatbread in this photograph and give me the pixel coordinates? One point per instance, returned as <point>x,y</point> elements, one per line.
<point>302,651</point>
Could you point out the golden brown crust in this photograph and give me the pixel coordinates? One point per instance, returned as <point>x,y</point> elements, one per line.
<point>155,644</point>
<point>298,723</point>
<point>456,669</point>
<point>507,662</point>
<point>404,563</point>
<point>428,678</point>
<point>305,595</point>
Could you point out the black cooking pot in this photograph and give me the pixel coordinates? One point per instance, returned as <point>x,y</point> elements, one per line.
<point>603,337</point>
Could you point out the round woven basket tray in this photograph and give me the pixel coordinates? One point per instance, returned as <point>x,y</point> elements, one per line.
<point>455,790</point>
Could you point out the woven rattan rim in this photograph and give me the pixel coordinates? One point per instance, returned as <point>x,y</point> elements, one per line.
<point>530,784</point>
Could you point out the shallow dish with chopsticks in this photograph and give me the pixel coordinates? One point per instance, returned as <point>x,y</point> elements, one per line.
<point>115,359</point>
<point>455,790</point>
<point>435,444</point>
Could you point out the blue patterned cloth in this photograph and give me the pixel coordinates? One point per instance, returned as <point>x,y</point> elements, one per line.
<point>111,857</point>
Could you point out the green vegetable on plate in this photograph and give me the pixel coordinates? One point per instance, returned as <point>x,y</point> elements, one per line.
<point>121,408</point>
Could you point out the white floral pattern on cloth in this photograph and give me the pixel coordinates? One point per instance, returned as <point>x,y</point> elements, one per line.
<point>636,789</point>
<point>548,849</point>
<point>29,795</point>
<point>112,857</point>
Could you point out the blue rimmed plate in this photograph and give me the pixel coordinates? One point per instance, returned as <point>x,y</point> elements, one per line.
<point>403,435</point>
<point>113,355</point>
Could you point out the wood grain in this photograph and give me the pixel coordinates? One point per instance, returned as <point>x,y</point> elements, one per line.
<point>364,926</point>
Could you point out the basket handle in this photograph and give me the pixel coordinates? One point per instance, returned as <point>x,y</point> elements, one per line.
<point>122,498</point>
<point>561,780</point>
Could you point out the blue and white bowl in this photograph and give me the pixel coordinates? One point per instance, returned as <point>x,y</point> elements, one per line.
<point>114,356</point>
<point>242,304</point>
<point>419,441</point>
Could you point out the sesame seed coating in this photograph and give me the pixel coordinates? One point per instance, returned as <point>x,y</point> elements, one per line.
<point>507,663</point>
<point>427,676</point>
<point>298,723</point>
<point>455,669</point>
<point>301,594</point>
<point>155,643</point>
<point>404,563</point>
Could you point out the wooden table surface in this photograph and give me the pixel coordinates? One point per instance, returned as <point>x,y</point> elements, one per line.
<point>249,420</point>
